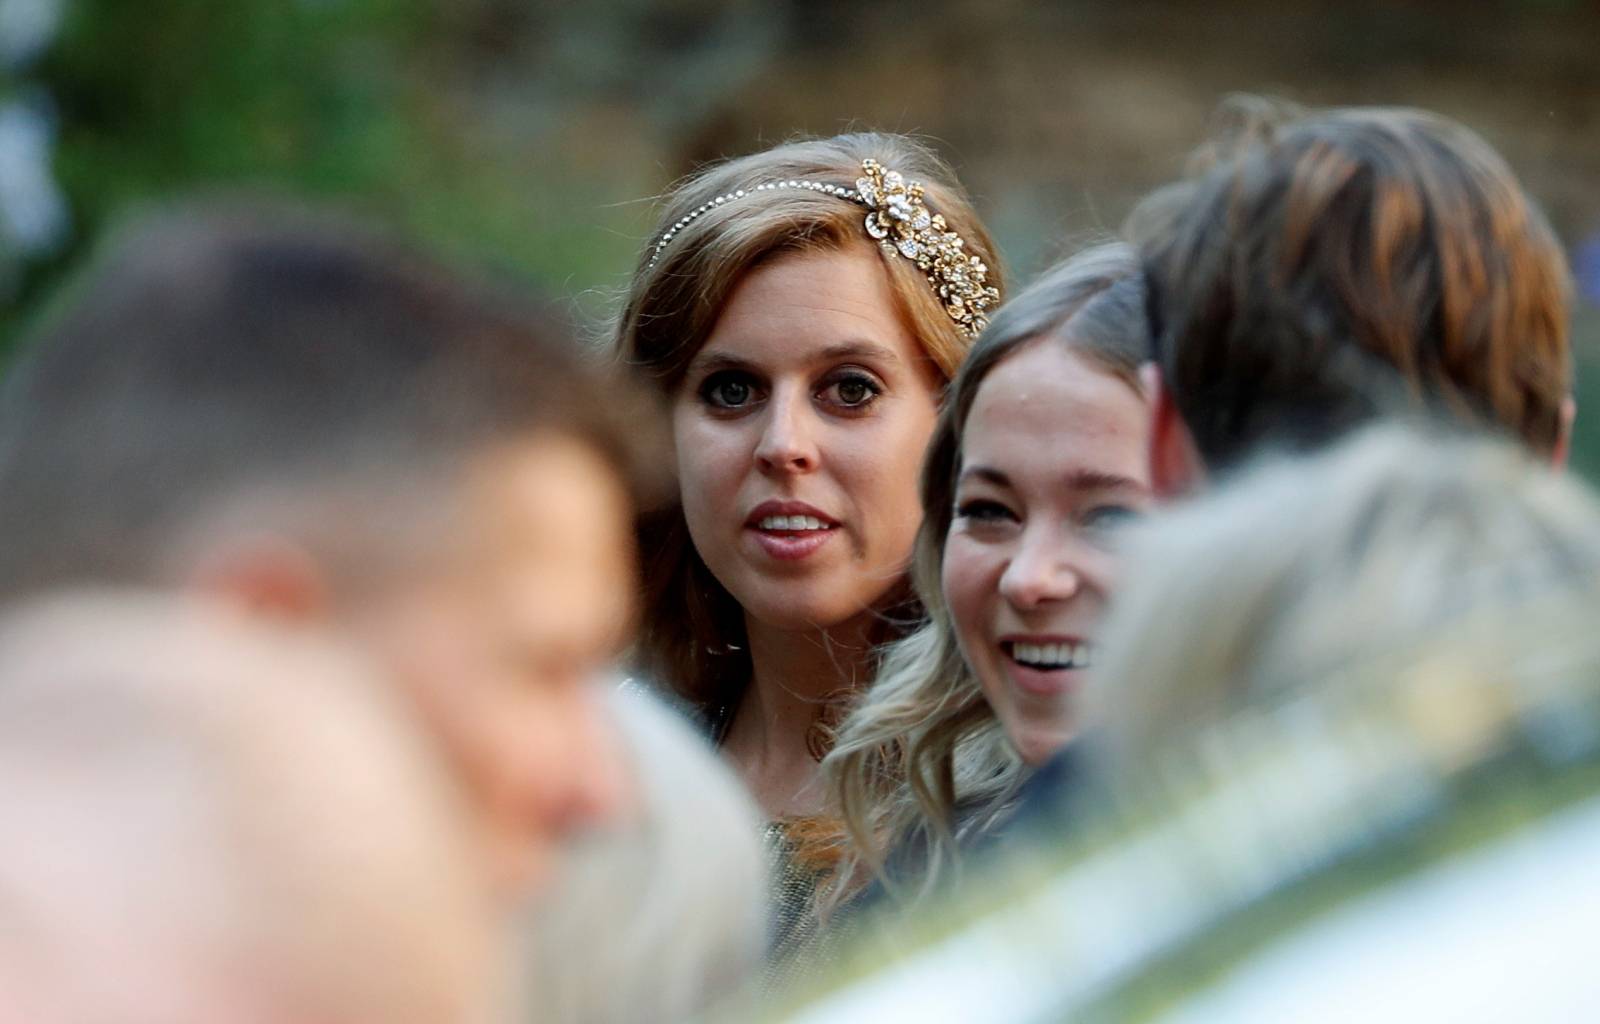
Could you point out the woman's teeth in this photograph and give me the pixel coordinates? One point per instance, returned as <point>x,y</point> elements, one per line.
<point>1051,656</point>
<point>792,524</point>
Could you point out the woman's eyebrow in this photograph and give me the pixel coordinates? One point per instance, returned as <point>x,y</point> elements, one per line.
<point>1099,480</point>
<point>707,362</point>
<point>989,473</point>
<point>711,361</point>
<point>1078,479</point>
<point>860,350</point>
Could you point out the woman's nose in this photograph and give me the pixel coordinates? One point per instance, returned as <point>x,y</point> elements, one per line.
<point>1041,570</point>
<point>787,444</point>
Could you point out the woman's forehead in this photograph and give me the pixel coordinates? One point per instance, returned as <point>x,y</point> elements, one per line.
<point>1048,404</point>
<point>811,306</point>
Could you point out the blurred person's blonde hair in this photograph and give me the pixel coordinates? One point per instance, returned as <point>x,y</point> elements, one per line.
<point>1301,569</point>
<point>209,819</point>
<point>693,634</point>
<point>656,921</point>
<point>924,746</point>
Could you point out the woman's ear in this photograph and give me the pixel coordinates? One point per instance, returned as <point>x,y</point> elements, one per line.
<point>266,575</point>
<point>1175,466</point>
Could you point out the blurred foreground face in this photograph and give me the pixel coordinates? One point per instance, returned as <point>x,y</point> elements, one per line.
<point>1053,461</point>
<point>505,641</point>
<point>211,819</point>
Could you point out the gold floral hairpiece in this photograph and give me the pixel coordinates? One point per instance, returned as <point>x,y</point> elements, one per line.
<point>904,227</point>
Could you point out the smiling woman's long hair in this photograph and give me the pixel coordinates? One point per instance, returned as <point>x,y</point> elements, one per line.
<point>922,762</point>
<point>692,636</point>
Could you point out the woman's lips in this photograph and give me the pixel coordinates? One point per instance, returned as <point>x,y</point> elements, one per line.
<point>1041,682</point>
<point>790,530</point>
<point>791,547</point>
<point>1045,666</point>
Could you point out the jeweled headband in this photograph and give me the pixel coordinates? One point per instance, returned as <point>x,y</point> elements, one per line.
<point>903,227</point>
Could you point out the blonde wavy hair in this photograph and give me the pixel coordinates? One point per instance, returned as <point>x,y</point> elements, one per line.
<point>924,741</point>
<point>692,637</point>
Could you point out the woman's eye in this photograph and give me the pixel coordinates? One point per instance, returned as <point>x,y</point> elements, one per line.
<point>853,391</point>
<point>727,391</point>
<point>982,510</point>
<point>1109,518</point>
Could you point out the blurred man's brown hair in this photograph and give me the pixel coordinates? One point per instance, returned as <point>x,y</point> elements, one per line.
<point>1326,267</point>
<point>220,352</point>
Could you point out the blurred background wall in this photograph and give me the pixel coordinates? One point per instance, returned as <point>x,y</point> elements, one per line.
<point>533,135</point>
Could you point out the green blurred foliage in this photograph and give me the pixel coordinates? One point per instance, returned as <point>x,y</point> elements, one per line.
<point>344,100</point>
<point>153,100</point>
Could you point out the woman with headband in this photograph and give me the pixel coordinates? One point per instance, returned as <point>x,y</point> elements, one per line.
<point>801,311</point>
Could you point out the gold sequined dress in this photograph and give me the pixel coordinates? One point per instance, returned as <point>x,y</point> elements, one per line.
<point>801,942</point>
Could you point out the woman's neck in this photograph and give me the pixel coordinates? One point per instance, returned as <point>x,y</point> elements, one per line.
<point>794,677</point>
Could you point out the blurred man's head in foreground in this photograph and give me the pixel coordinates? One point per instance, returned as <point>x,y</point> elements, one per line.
<point>209,818</point>
<point>1301,571</point>
<point>287,411</point>
<point>1325,268</point>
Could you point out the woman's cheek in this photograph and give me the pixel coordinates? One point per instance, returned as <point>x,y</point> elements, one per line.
<point>963,579</point>
<point>706,458</point>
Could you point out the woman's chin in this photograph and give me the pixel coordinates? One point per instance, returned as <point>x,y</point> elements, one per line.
<point>799,619</point>
<point>1036,744</point>
<point>801,612</point>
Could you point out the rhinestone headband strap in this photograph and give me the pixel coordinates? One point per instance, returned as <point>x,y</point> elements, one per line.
<point>903,226</point>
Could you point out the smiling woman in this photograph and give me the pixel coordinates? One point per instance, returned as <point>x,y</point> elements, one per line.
<point>1038,455</point>
<point>1053,461</point>
<point>801,310</point>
